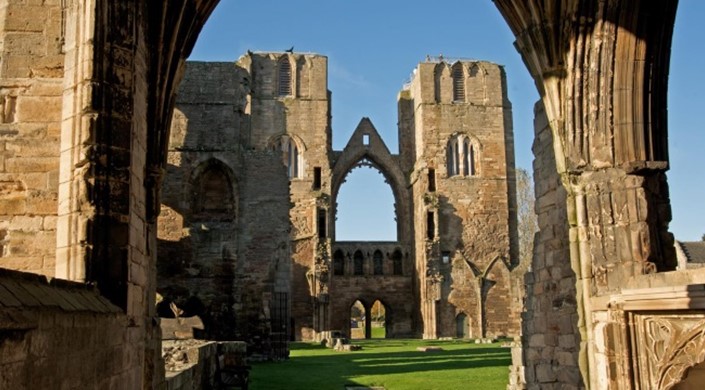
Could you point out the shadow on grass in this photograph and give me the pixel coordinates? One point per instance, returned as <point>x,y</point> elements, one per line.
<point>315,367</point>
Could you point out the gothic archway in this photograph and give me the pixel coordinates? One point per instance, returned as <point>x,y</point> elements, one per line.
<point>375,154</point>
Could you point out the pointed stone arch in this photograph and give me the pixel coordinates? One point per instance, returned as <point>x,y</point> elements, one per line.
<point>376,154</point>
<point>285,76</point>
<point>214,190</point>
<point>495,284</point>
<point>292,148</point>
<point>463,155</point>
<point>441,80</point>
<point>459,78</point>
<point>477,83</point>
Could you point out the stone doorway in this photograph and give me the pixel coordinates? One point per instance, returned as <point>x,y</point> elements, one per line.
<point>462,326</point>
<point>358,319</point>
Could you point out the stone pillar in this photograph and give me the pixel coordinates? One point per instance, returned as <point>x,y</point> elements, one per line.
<point>608,122</point>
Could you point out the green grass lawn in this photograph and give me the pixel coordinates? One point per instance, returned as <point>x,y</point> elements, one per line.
<point>394,364</point>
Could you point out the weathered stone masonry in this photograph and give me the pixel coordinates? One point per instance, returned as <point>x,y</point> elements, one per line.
<point>600,67</point>
<point>276,106</point>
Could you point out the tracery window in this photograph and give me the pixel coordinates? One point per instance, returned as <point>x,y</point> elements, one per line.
<point>284,77</point>
<point>461,156</point>
<point>291,155</point>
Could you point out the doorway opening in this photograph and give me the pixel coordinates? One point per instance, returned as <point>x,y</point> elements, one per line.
<point>378,325</point>
<point>358,318</point>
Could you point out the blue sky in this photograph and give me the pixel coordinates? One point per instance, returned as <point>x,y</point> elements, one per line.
<point>372,48</point>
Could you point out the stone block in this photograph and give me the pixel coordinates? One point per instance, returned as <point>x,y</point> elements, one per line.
<point>569,375</point>
<point>567,342</point>
<point>537,340</point>
<point>14,206</point>
<point>545,373</point>
<point>27,223</point>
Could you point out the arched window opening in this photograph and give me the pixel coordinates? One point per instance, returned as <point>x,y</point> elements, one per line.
<point>338,263</point>
<point>358,319</point>
<point>466,160</point>
<point>291,155</point>
<point>460,156</point>
<point>214,193</point>
<point>378,327</point>
<point>458,83</point>
<point>284,86</point>
<point>378,263</point>
<point>462,326</point>
<point>366,210</point>
<point>358,263</point>
<point>397,263</point>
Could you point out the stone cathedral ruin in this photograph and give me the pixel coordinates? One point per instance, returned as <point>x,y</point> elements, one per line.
<point>252,181</point>
<point>105,169</point>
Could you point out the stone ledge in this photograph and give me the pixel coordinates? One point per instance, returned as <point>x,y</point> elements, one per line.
<point>21,290</point>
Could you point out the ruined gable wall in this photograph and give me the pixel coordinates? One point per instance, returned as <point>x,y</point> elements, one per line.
<point>31,74</point>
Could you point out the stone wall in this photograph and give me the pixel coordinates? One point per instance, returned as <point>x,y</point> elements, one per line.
<point>222,234</point>
<point>31,78</point>
<point>64,335</point>
<point>198,241</point>
<point>194,369</point>
<point>551,338</point>
<point>392,287</point>
<point>298,118</point>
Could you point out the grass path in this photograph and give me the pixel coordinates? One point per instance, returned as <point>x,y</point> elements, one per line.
<point>394,364</point>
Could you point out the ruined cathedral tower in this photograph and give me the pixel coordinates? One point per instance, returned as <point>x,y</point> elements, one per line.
<point>455,135</point>
<point>247,229</point>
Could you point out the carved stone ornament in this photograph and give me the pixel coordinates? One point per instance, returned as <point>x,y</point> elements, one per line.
<point>665,346</point>
<point>300,227</point>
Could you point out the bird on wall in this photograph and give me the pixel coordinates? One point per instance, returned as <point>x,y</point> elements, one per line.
<point>290,50</point>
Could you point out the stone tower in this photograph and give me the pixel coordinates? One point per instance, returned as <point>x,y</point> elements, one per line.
<point>456,137</point>
<point>290,116</point>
